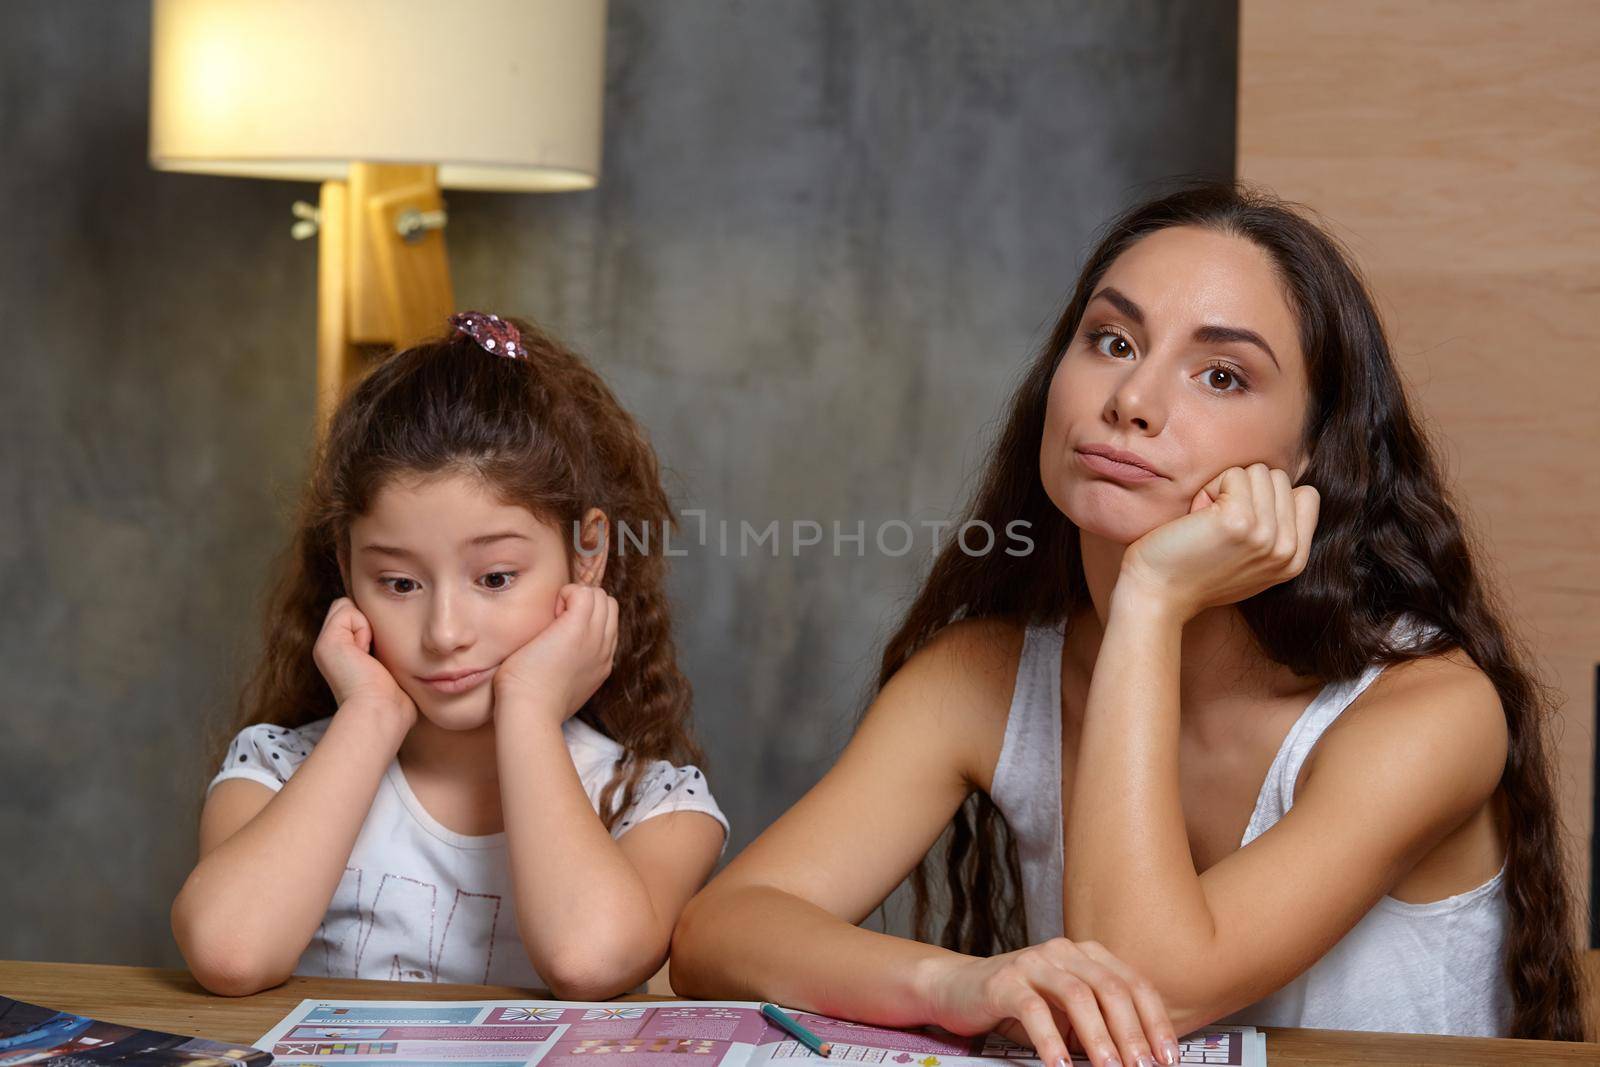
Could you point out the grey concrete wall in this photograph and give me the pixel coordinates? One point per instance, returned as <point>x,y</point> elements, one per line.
<point>827,237</point>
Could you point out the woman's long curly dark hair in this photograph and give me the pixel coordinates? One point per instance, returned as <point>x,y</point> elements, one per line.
<point>1388,542</point>
<point>543,432</point>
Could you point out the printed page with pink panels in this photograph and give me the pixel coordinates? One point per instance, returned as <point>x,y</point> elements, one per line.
<point>689,1033</point>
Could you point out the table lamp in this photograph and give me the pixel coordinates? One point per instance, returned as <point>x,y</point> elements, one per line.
<point>384,102</point>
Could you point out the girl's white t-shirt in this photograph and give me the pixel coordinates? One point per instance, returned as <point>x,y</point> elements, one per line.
<point>422,903</point>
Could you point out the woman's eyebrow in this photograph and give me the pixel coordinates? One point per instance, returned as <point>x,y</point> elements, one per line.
<point>1211,335</point>
<point>474,542</point>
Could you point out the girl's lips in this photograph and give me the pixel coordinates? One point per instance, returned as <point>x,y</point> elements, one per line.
<point>1122,472</point>
<point>462,684</point>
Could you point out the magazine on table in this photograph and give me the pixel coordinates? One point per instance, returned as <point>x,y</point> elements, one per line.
<point>31,1033</point>
<point>690,1033</point>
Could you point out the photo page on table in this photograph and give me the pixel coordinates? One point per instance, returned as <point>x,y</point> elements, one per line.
<point>34,1034</point>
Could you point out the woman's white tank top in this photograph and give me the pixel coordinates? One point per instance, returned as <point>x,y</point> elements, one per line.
<point>1432,968</point>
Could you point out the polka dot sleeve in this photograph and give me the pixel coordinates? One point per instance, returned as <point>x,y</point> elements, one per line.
<point>267,754</point>
<point>665,788</point>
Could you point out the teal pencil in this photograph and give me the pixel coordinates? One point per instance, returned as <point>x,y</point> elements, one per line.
<point>791,1024</point>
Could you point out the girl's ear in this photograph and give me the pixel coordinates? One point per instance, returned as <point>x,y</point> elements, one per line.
<point>593,540</point>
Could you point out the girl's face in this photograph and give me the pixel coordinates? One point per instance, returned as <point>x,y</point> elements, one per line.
<point>1161,366</point>
<point>452,580</point>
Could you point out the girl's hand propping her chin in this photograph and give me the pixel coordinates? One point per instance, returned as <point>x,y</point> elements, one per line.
<point>568,660</point>
<point>343,653</point>
<point>1247,530</point>
<point>1041,994</point>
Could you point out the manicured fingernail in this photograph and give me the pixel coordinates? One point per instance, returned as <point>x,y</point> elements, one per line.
<point>1062,1063</point>
<point>1170,1052</point>
<point>1146,1060</point>
<point>1112,1061</point>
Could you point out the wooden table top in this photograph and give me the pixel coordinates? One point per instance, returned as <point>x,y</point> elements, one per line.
<point>171,1000</point>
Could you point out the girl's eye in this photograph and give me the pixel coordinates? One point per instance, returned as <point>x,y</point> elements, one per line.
<point>1240,383</point>
<point>509,576</point>
<point>495,581</point>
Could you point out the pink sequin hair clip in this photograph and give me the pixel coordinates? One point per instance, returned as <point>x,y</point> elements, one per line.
<point>493,334</point>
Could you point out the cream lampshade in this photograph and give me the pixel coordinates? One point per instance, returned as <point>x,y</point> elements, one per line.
<point>384,102</point>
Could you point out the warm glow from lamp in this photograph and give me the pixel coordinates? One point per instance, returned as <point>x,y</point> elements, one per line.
<point>500,94</point>
<point>384,102</point>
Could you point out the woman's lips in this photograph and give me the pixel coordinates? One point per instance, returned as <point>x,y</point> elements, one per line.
<point>1122,472</point>
<point>462,684</point>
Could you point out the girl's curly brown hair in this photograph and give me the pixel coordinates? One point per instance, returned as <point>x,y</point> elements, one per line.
<point>1389,541</point>
<point>544,432</point>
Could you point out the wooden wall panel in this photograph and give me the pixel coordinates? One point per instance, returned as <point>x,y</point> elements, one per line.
<point>1456,148</point>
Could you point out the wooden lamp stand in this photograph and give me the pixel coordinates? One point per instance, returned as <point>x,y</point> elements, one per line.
<point>383,272</point>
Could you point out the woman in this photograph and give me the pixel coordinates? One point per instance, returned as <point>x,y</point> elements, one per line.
<point>1277,607</point>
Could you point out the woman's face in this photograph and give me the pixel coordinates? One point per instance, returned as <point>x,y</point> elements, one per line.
<point>1137,376</point>
<point>452,579</point>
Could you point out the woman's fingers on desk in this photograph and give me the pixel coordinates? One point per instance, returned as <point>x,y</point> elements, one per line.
<point>1152,1020</point>
<point>1044,994</point>
<point>1098,1006</point>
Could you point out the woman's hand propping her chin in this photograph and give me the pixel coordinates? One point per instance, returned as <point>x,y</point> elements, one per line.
<point>1247,530</point>
<point>566,662</point>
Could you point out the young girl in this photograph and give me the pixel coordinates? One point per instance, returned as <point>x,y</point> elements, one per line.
<point>1243,728</point>
<point>470,756</point>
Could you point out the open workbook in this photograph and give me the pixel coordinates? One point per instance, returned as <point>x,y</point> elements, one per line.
<point>693,1033</point>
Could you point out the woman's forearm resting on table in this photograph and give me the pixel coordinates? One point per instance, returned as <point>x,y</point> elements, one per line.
<point>761,943</point>
<point>253,901</point>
